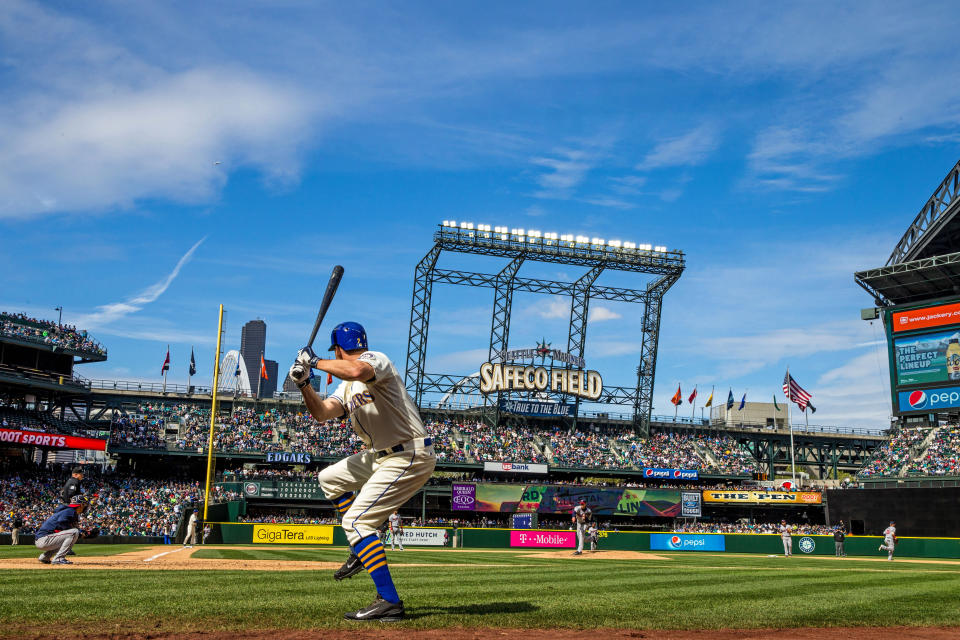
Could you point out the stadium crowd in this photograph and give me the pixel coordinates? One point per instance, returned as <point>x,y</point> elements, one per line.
<point>942,457</point>
<point>896,453</point>
<point>123,505</point>
<point>23,327</point>
<point>247,430</point>
<point>758,527</point>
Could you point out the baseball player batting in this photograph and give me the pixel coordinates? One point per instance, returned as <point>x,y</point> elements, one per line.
<point>398,460</point>
<point>581,516</point>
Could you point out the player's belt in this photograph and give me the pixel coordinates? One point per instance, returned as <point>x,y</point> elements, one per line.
<point>410,445</point>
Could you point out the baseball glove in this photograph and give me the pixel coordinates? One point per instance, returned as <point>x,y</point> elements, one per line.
<point>91,533</point>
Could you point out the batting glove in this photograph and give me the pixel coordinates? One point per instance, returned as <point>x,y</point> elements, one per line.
<point>300,375</point>
<point>307,358</point>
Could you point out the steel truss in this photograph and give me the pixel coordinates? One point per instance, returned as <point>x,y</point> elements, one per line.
<point>667,265</point>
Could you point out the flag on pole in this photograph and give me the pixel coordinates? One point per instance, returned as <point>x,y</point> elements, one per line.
<point>166,362</point>
<point>730,400</point>
<point>677,398</point>
<point>813,409</point>
<point>236,372</point>
<point>794,392</point>
<point>693,396</point>
<point>743,401</point>
<point>775,405</point>
<point>709,400</point>
<point>193,363</point>
<point>263,368</point>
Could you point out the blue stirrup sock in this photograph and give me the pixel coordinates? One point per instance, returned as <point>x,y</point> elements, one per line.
<point>374,559</point>
<point>344,501</point>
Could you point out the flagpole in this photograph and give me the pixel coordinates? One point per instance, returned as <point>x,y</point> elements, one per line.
<point>189,375</point>
<point>165,369</point>
<point>693,406</point>
<point>793,458</point>
<point>259,375</point>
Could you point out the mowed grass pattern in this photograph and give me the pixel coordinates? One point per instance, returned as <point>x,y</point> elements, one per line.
<point>683,591</point>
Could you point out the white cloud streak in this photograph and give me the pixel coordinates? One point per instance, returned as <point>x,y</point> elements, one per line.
<point>690,149</point>
<point>114,311</point>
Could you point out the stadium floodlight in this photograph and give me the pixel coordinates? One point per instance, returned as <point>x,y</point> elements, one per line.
<point>645,247</point>
<point>660,249</point>
<point>629,245</point>
<point>452,223</point>
<point>521,232</point>
<point>616,244</point>
<point>583,239</point>
<point>598,241</point>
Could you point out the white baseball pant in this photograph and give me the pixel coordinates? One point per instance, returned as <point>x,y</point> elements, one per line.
<point>383,485</point>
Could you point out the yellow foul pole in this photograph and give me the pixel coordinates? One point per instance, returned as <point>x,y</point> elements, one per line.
<point>213,416</point>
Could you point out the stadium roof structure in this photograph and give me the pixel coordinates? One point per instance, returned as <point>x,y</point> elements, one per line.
<point>925,264</point>
<point>914,281</point>
<point>936,229</point>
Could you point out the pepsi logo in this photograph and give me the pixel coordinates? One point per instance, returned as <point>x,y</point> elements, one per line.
<point>648,472</point>
<point>675,542</point>
<point>677,473</point>
<point>917,399</point>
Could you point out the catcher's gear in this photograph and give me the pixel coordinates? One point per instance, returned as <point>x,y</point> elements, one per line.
<point>348,336</point>
<point>79,500</point>
<point>91,533</point>
<point>307,357</point>
<point>349,569</point>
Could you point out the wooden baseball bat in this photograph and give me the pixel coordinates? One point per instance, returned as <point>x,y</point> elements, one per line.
<point>327,299</point>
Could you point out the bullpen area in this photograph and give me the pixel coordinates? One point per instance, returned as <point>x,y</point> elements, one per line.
<point>281,592</point>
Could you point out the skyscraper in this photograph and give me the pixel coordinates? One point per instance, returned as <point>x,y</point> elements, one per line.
<point>253,340</point>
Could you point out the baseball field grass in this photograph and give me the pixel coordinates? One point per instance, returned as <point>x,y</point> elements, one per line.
<point>469,589</point>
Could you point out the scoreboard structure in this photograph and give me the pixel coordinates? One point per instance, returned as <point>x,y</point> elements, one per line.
<point>924,351</point>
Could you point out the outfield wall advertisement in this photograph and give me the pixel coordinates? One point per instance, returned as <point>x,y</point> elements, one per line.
<point>551,499</point>
<point>686,542</point>
<point>928,317</point>
<point>293,534</point>
<point>421,537</point>
<point>765,497</point>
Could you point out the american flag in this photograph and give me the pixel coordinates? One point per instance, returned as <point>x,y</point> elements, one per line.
<point>795,392</point>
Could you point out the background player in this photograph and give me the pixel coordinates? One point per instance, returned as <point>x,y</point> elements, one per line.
<point>786,536</point>
<point>593,533</point>
<point>581,515</point>
<point>72,488</point>
<point>889,540</point>
<point>396,530</point>
<point>397,462</point>
<point>58,533</point>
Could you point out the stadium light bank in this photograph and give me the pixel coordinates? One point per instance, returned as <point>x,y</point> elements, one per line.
<point>526,239</point>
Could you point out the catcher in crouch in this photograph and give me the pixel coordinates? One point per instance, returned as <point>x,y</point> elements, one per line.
<point>398,460</point>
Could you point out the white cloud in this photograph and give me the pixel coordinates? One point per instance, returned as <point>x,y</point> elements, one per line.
<point>556,308</point>
<point>114,311</point>
<point>856,393</point>
<point>600,314</point>
<point>689,149</point>
<point>566,169</point>
<point>130,143</point>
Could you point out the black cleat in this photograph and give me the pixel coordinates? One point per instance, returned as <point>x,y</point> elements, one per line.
<point>350,568</point>
<point>44,558</point>
<point>71,552</point>
<point>380,610</point>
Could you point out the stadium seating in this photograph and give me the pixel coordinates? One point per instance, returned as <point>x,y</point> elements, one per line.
<point>22,327</point>
<point>891,458</point>
<point>942,457</point>
<point>247,431</point>
<point>124,505</point>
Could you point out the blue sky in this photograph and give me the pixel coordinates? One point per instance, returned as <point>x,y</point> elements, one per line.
<point>781,147</point>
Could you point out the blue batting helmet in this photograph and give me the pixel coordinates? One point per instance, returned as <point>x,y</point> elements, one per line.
<point>348,336</point>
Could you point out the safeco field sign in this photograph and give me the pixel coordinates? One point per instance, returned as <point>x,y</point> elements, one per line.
<point>292,534</point>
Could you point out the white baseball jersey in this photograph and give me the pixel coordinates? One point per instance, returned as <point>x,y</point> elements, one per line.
<point>395,524</point>
<point>890,532</point>
<point>381,412</point>
<point>785,531</point>
<point>582,514</point>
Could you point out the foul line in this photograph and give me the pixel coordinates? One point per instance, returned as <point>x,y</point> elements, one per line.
<point>159,555</point>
